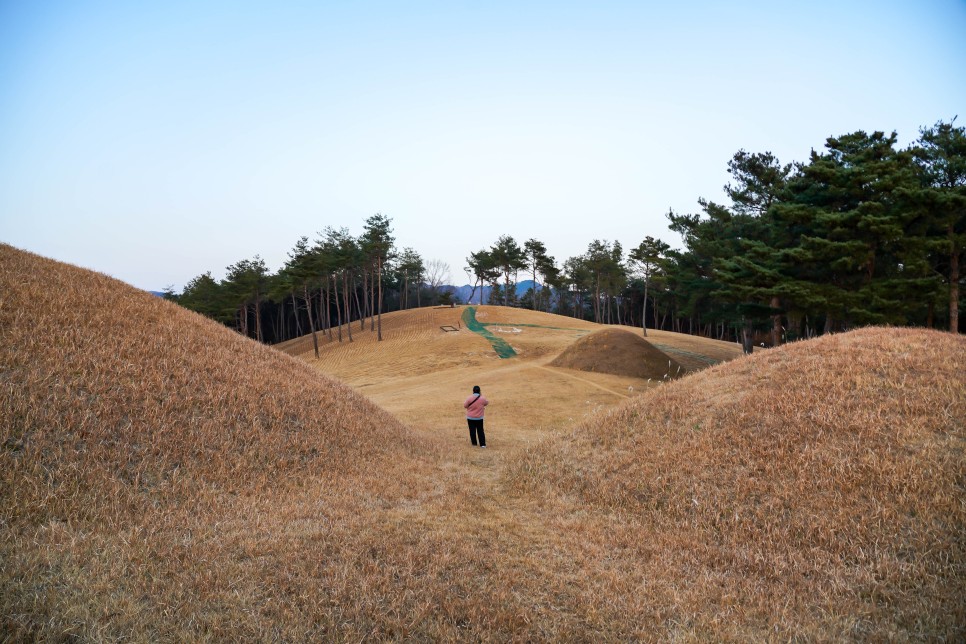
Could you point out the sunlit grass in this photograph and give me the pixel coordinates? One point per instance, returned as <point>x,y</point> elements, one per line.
<point>164,479</point>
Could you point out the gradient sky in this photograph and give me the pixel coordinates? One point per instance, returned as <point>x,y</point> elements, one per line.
<point>157,141</point>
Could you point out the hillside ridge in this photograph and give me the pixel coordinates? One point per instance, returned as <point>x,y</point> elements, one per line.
<point>821,476</point>
<point>163,478</point>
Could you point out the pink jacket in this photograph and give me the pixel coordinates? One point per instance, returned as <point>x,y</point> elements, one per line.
<point>474,406</point>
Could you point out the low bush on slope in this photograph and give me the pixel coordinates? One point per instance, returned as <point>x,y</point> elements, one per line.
<point>818,489</point>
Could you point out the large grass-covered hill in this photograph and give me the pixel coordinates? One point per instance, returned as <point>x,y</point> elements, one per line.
<point>164,479</point>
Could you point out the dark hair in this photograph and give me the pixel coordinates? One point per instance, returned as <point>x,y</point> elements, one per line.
<point>476,389</point>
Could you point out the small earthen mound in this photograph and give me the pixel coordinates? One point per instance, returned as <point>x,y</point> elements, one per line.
<point>618,352</point>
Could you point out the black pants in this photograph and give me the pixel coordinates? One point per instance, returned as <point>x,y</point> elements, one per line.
<point>476,427</point>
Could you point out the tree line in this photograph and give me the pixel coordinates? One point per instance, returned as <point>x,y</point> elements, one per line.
<point>324,286</point>
<point>861,233</point>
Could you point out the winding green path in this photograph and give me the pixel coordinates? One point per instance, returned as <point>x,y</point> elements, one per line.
<point>501,346</point>
<point>504,350</point>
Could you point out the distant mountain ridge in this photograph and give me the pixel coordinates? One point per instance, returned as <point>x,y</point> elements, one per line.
<point>464,292</point>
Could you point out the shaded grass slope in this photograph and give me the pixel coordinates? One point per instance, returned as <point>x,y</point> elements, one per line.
<point>619,352</point>
<point>816,490</point>
<point>149,459</point>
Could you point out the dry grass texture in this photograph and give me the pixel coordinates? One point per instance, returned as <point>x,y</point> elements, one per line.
<point>815,490</point>
<point>161,475</point>
<point>619,352</point>
<point>163,479</point>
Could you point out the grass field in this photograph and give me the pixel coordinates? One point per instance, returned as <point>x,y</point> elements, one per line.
<point>164,479</point>
<point>423,373</point>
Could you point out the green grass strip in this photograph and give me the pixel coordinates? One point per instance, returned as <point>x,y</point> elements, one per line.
<point>501,346</point>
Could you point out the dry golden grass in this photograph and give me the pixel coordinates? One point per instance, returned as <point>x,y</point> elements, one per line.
<point>619,352</point>
<point>421,373</point>
<point>815,490</point>
<point>167,480</point>
<point>154,464</point>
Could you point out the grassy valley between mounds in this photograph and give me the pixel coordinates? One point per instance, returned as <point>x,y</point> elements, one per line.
<point>164,479</point>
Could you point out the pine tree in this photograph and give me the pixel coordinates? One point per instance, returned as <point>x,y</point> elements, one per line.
<point>377,244</point>
<point>509,258</point>
<point>846,231</point>
<point>940,200</point>
<point>648,256</point>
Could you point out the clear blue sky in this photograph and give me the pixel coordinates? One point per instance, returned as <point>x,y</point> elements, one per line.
<point>156,141</point>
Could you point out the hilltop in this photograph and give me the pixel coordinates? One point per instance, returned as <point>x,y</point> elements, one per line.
<point>163,478</point>
<point>815,490</point>
<point>620,352</point>
<point>151,457</point>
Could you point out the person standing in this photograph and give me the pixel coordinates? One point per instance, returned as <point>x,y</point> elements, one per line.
<point>474,416</point>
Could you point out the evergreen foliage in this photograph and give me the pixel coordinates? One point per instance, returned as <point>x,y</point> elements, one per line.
<point>861,233</point>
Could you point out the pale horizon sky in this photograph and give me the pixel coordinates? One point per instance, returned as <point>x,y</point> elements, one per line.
<point>155,142</point>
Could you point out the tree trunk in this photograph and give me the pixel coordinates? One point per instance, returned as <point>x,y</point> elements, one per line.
<point>534,286</point>
<point>298,322</point>
<point>372,306</point>
<point>953,285</point>
<point>506,288</point>
<point>379,304</point>
<point>472,292</point>
<point>338,310</point>
<point>597,302</point>
<point>346,301</point>
<point>308,302</point>
<point>258,318</point>
<point>776,323</point>
<point>747,342</point>
<point>366,287</point>
<point>280,320</point>
<point>362,314</point>
<point>325,322</point>
<point>644,311</point>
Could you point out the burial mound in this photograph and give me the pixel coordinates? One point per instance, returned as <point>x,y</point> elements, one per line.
<point>619,352</point>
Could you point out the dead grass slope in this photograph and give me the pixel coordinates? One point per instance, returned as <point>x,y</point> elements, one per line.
<point>816,490</point>
<point>171,481</point>
<point>619,352</point>
<point>153,463</point>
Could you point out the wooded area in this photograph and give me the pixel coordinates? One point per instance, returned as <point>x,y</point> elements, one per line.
<point>862,233</point>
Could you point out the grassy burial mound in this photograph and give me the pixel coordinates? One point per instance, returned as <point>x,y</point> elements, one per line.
<point>162,477</point>
<point>619,352</point>
<point>816,490</point>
